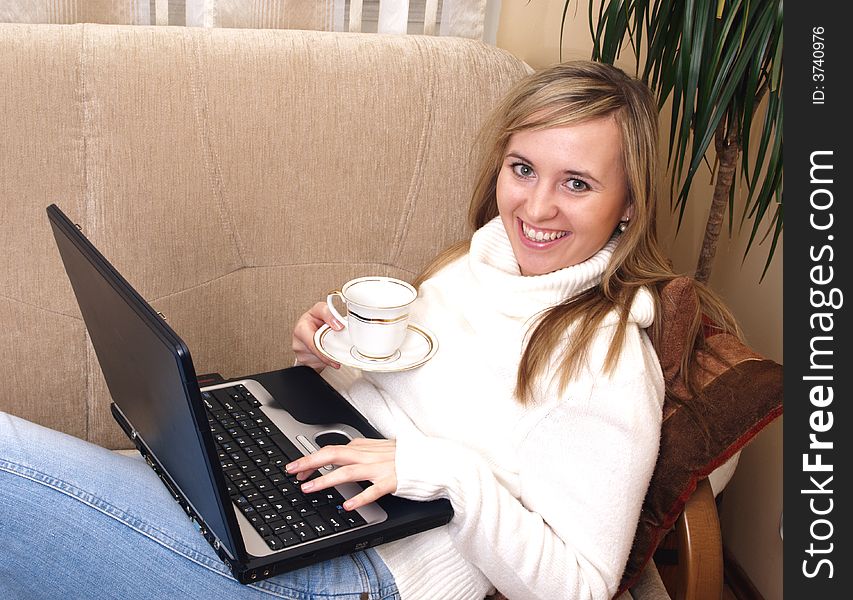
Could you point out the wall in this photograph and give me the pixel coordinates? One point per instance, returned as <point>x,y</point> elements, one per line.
<point>752,502</point>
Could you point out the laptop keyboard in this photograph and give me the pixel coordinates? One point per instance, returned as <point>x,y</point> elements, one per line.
<point>253,452</point>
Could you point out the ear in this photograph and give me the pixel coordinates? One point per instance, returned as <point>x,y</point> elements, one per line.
<point>629,212</point>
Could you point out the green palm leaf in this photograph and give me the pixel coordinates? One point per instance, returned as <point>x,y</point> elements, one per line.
<point>719,64</point>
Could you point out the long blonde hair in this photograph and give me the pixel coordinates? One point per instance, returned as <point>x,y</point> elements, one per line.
<point>567,94</point>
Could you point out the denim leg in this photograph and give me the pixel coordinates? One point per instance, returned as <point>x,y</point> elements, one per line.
<point>79,521</point>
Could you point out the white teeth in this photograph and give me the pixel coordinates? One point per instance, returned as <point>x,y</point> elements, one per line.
<point>540,236</point>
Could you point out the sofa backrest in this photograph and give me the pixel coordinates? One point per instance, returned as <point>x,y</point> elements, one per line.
<point>233,176</point>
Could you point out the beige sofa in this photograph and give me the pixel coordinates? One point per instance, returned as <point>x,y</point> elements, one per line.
<point>234,177</point>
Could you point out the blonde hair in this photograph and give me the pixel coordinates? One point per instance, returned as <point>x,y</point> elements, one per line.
<point>562,95</point>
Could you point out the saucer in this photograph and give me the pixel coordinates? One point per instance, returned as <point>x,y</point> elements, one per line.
<point>419,346</point>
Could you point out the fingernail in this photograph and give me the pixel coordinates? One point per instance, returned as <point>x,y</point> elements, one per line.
<point>337,324</point>
<point>348,504</point>
<point>289,467</point>
<point>307,487</point>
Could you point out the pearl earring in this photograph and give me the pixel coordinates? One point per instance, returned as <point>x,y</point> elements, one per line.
<point>623,225</point>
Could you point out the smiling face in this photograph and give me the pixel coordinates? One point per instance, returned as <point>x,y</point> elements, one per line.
<point>561,192</point>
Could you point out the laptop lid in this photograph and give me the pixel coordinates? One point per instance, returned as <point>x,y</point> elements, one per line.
<point>151,378</point>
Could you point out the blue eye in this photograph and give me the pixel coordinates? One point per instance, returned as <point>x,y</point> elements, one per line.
<point>522,169</point>
<point>577,185</point>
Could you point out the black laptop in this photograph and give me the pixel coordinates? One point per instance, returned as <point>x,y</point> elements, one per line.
<point>221,449</point>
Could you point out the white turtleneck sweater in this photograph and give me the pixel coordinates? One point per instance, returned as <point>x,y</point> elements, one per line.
<point>546,496</point>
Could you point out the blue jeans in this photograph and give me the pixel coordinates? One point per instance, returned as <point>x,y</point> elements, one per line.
<point>79,521</point>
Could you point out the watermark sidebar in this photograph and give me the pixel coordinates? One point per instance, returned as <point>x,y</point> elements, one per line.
<point>818,425</point>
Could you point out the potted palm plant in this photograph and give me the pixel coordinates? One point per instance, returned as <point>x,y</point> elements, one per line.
<point>720,64</point>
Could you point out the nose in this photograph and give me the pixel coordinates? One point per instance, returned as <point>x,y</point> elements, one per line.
<point>542,204</point>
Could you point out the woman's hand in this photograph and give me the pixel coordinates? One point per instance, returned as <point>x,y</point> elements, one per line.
<point>362,459</point>
<point>303,337</point>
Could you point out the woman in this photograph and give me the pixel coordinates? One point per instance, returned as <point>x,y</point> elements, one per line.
<point>539,419</point>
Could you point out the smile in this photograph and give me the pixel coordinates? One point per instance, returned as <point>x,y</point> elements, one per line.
<point>539,235</point>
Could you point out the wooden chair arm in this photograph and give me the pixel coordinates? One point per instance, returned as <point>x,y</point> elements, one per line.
<point>700,548</point>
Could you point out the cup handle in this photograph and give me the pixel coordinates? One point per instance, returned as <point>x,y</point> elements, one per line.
<point>332,308</point>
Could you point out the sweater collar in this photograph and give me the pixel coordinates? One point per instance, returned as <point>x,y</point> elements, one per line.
<point>493,264</point>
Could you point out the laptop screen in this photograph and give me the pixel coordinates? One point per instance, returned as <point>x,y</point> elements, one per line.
<point>149,373</point>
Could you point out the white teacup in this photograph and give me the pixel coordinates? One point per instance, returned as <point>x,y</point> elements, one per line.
<point>377,314</point>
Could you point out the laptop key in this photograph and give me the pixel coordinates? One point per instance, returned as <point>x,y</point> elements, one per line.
<point>316,500</point>
<point>273,452</point>
<point>333,496</point>
<point>236,431</point>
<point>304,511</point>
<point>320,527</point>
<point>289,538</point>
<point>353,518</point>
<point>238,456</point>
<point>254,475</point>
<point>274,543</point>
<point>272,495</point>
<point>286,488</point>
<point>227,421</point>
<point>285,445</point>
<point>304,531</point>
<point>333,518</point>
<point>210,402</point>
<point>278,527</point>
<point>295,500</point>
<point>290,517</point>
<point>269,515</point>
<point>261,459</point>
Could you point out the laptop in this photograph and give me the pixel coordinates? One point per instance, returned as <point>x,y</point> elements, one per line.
<point>221,449</point>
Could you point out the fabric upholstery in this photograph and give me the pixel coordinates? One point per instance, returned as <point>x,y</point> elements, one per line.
<point>233,176</point>
<point>741,393</point>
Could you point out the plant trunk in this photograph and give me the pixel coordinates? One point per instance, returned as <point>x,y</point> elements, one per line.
<point>728,150</point>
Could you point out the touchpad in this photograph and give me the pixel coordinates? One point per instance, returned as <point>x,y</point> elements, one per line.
<point>332,438</point>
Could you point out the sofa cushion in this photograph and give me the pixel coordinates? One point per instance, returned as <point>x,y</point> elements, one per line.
<point>234,176</point>
<point>741,393</point>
